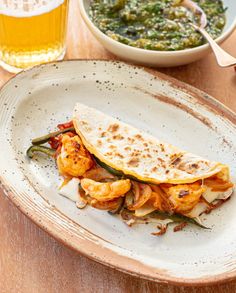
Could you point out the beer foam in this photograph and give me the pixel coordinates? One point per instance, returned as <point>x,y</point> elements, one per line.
<point>28,8</point>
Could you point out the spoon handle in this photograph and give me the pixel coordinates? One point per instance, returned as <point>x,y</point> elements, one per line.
<point>223,58</point>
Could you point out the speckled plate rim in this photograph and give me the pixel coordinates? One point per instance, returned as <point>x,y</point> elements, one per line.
<point>66,230</point>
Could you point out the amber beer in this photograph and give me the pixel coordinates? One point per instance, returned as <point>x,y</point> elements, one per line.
<point>32,32</point>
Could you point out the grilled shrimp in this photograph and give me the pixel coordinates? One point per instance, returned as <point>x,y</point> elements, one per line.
<point>74,160</point>
<point>184,196</point>
<point>105,191</point>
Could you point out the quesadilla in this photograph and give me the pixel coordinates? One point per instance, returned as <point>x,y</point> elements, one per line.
<point>113,166</point>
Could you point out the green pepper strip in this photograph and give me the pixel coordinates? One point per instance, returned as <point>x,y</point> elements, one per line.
<point>46,138</point>
<point>176,218</point>
<point>108,168</point>
<point>41,149</point>
<point>118,173</point>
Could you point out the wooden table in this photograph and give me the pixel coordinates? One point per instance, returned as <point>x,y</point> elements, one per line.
<point>33,262</point>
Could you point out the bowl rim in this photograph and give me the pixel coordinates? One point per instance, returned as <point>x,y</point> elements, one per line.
<point>48,223</point>
<point>122,46</point>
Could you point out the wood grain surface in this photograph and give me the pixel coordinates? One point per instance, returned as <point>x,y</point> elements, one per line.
<point>33,262</point>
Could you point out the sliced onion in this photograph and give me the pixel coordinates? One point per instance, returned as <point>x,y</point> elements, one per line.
<point>210,195</point>
<point>144,210</point>
<point>199,208</point>
<point>144,195</point>
<point>129,199</point>
<point>136,190</point>
<point>119,207</point>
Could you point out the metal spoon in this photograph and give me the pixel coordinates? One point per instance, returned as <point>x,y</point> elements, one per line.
<point>223,58</point>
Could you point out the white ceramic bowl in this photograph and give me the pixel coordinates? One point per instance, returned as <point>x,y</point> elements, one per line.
<point>158,58</point>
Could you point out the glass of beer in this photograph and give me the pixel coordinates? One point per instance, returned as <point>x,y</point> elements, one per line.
<point>32,32</point>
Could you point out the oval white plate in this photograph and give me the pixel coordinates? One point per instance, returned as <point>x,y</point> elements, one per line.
<point>35,101</point>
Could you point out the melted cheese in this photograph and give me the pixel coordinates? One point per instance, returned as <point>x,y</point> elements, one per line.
<point>70,190</point>
<point>210,196</point>
<point>199,208</point>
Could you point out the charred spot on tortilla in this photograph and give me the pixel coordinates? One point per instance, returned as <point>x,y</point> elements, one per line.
<point>138,136</point>
<point>119,155</point>
<point>162,147</point>
<point>194,165</point>
<point>175,159</point>
<point>99,142</point>
<point>133,162</point>
<point>161,161</point>
<point>118,137</point>
<point>127,148</point>
<point>135,154</point>
<point>130,139</point>
<point>113,127</point>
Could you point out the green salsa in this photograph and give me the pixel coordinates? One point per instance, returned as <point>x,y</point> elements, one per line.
<point>156,24</point>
